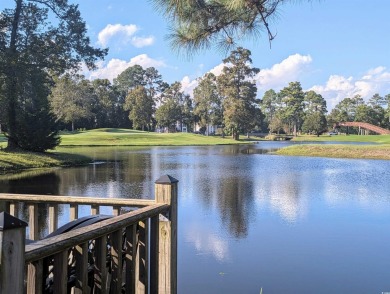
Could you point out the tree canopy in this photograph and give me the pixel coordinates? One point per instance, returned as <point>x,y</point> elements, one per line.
<point>38,38</point>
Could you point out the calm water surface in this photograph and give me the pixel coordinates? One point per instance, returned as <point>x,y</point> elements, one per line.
<point>250,220</point>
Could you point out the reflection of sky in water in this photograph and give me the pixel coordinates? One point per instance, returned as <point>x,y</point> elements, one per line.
<point>287,224</point>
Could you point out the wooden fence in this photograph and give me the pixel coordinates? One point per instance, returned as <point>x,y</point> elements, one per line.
<point>133,252</point>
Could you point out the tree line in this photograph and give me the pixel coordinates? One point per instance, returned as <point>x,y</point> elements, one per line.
<point>43,43</point>
<point>139,98</point>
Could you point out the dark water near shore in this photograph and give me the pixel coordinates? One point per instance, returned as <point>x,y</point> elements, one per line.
<point>250,220</point>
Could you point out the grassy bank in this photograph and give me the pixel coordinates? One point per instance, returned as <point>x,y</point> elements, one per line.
<point>381,139</point>
<point>125,137</point>
<point>15,161</point>
<point>338,151</point>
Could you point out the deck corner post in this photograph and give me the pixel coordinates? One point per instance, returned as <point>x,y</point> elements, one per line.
<point>12,247</point>
<point>166,192</point>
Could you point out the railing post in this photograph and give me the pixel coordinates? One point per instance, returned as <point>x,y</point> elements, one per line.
<point>166,192</point>
<point>12,243</point>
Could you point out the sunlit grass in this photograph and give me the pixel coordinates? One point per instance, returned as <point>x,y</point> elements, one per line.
<point>382,139</point>
<point>338,151</point>
<point>123,137</point>
<point>12,161</point>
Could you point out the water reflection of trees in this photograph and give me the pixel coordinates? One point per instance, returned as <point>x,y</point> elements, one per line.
<point>128,176</point>
<point>42,184</point>
<point>235,201</point>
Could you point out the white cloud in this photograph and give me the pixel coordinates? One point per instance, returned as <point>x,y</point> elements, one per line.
<point>123,34</point>
<point>280,74</point>
<point>114,67</point>
<point>140,42</point>
<point>188,85</point>
<point>116,30</point>
<point>376,80</point>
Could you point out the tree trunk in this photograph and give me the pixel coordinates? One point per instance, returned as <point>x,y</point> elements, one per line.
<point>12,94</point>
<point>72,126</point>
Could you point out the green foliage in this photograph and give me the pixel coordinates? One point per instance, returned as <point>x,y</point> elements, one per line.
<point>240,110</point>
<point>37,38</point>
<point>72,99</point>
<point>292,111</point>
<point>315,123</point>
<point>170,111</point>
<point>208,102</point>
<point>202,24</point>
<point>140,106</point>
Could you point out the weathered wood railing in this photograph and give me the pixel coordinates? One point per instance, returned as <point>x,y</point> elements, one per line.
<point>134,251</point>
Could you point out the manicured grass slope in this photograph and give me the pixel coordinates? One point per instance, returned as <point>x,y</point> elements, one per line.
<point>382,139</point>
<point>339,151</point>
<point>11,161</point>
<point>122,137</point>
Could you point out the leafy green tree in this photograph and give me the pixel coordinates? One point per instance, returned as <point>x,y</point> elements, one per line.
<point>168,114</point>
<point>38,38</point>
<point>106,110</point>
<point>130,78</point>
<point>314,123</point>
<point>269,105</point>
<point>37,127</point>
<point>208,102</point>
<point>72,99</point>
<point>387,99</point>
<point>292,98</point>
<point>314,102</point>
<point>140,106</point>
<point>201,24</point>
<point>314,113</point>
<point>176,107</point>
<point>239,92</point>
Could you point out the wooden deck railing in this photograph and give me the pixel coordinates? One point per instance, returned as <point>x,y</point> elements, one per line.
<point>135,252</point>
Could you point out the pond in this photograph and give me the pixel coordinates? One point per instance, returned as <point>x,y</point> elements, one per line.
<point>251,221</point>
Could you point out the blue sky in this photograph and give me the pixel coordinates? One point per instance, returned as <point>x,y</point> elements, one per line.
<point>339,48</point>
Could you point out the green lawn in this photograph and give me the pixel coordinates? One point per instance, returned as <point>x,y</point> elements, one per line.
<point>338,151</point>
<point>382,139</point>
<point>13,161</point>
<point>124,137</point>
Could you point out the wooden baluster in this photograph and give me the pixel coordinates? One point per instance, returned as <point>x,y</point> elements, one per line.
<point>14,209</point>
<point>142,257</point>
<point>35,277</point>
<point>53,217</point>
<point>95,209</point>
<point>81,254</point>
<point>60,273</point>
<point>116,210</point>
<point>116,262</point>
<point>74,211</point>
<point>100,275</point>
<point>33,221</point>
<point>131,258</point>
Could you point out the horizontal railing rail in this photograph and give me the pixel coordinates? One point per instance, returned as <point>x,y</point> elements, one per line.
<point>131,252</point>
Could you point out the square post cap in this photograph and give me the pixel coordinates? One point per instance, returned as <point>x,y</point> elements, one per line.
<point>166,180</point>
<point>8,222</point>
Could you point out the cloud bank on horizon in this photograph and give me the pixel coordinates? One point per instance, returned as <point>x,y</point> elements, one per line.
<point>291,69</point>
